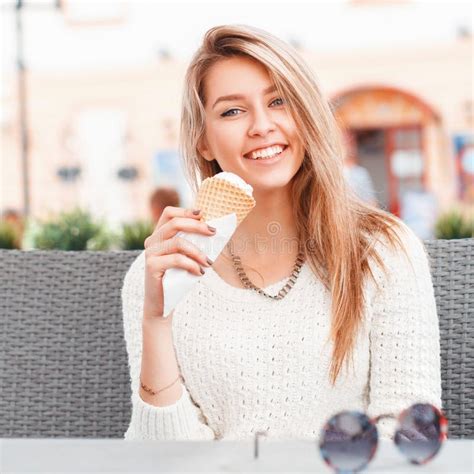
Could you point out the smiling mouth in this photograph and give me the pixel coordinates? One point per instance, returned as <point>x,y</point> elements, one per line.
<point>263,158</point>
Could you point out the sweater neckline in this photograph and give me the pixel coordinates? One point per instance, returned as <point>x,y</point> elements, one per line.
<point>216,283</point>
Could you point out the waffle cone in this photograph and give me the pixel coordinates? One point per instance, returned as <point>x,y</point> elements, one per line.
<point>218,197</point>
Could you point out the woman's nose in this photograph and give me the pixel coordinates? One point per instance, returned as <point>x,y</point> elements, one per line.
<point>262,123</point>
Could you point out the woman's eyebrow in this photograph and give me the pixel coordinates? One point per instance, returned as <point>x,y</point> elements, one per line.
<point>224,98</point>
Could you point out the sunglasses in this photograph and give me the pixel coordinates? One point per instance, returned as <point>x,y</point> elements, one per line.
<point>349,439</point>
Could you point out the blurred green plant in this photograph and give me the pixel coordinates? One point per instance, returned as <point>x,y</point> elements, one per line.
<point>104,239</point>
<point>9,238</point>
<point>453,225</point>
<point>134,234</point>
<point>74,230</point>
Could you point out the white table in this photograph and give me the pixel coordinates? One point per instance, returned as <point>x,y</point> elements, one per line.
<point>115,455</point>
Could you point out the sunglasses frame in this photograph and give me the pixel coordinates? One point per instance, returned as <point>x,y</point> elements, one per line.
<point>443,423</point>
<point>443,432</point>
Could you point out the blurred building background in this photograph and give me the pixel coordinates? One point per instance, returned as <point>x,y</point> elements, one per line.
<point>103,82</point>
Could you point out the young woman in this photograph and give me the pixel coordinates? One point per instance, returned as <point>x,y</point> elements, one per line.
<point>355,328</point>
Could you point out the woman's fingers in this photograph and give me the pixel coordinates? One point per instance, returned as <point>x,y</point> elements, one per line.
<point>180,245</point>
<point>157,266</point>
<point>169,212</point>
<point>175,225</point>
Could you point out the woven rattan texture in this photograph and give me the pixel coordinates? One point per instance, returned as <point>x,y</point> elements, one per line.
<point>63,361</point>
<point>217,198</point>
<point>63,364</point>
<point>452,269</point>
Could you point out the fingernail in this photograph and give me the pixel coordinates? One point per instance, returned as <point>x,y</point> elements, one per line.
<point>209,261</point>
<point>202,271</point>
<point>212,229</point>
<point>196,212</point>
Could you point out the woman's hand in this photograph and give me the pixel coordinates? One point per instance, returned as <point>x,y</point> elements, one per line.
<point>163,250</point>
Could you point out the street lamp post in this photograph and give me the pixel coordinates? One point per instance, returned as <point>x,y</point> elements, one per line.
<point>23,101</point>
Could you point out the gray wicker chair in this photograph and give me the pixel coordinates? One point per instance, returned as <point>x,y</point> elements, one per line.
<point>63,362</point>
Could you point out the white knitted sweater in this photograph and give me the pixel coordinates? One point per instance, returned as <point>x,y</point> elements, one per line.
<point>250,363</point>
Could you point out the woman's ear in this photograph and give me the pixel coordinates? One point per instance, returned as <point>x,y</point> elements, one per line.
<point>204,149</point>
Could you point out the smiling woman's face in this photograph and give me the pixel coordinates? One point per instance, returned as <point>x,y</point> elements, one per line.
<point>247,119</point>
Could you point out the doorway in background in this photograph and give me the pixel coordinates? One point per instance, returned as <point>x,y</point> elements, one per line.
<point>394,159</point>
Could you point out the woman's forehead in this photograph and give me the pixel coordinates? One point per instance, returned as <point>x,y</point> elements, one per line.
<point>236,76</point>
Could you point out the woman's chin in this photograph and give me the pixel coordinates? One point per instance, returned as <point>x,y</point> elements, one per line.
<point>267,184</point>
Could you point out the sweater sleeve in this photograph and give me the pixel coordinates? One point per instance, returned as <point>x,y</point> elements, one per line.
<point>182,420</point>
<point>404,336</point>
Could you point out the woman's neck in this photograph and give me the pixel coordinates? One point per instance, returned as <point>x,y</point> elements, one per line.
<point>268,232</point>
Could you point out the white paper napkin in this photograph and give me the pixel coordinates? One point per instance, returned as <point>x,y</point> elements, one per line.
<point>177,282</point>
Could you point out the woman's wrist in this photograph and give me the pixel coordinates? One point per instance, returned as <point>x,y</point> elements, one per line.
<point>152,391</point>
<point>151,319</point>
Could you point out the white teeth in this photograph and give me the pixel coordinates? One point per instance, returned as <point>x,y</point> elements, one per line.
<point>267,152</point>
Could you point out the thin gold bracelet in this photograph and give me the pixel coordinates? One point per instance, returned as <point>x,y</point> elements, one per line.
<point>153,392</point>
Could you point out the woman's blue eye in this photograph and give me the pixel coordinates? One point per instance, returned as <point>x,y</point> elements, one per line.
<point>228,114</point>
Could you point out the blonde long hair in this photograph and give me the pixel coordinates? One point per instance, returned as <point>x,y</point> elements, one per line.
<point>334,224</point>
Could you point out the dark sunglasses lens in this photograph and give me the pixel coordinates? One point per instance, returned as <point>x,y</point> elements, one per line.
<point>348,441</point>
<point>419,433</point>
